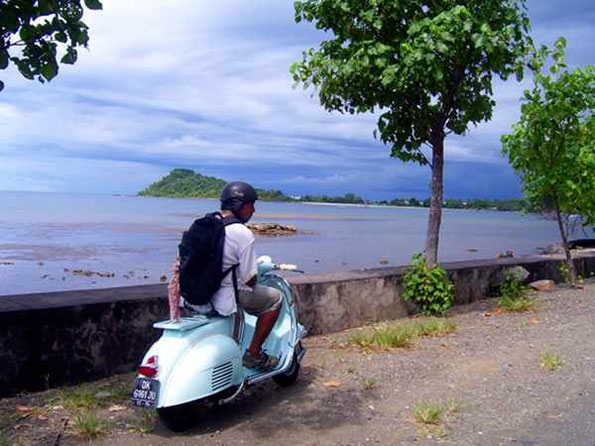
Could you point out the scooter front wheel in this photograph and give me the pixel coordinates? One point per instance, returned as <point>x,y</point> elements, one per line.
<point>290,376</point>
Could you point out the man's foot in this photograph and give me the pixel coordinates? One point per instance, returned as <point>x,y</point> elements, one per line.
<point>262,361</point>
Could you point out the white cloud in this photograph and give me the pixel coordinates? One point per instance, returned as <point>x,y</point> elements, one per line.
<point>185,83</point>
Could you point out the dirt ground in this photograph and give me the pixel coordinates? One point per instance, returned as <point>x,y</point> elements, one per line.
<point>488,373</point>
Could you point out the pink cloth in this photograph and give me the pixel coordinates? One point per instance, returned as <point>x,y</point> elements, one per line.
<point>173,291</point>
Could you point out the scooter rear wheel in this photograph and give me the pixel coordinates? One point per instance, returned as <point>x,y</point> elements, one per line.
<point>179,418</point>
<point>291,375</point>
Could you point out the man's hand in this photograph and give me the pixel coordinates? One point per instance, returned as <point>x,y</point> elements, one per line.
<point>251,282</point>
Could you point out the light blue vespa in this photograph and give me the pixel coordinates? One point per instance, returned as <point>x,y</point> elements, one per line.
<point>199,358</point>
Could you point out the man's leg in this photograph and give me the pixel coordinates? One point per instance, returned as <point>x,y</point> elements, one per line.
<point>264,325</point>
<point>264,303</point>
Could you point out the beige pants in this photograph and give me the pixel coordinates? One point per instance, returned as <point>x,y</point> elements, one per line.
<point>259,299</point>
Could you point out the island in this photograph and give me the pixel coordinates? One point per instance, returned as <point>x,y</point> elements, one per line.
<point>185,183</point>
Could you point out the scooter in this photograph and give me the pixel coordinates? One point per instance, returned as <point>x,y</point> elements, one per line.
<point>198,359</point>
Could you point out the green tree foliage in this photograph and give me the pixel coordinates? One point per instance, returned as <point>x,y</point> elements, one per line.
<point>185,183</point>
<point>425,66</point>
<point>552,146</point>
<point>36,29</point>
<point>349,198</point>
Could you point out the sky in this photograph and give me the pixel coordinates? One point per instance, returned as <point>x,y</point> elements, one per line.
<point>178,83</point>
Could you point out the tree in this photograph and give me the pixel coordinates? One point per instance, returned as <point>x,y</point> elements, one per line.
<point>426,66</point>
<point>552,145</point>
<point>38,28</point>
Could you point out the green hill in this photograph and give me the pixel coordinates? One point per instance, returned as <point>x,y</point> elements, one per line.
<point>186,183</point>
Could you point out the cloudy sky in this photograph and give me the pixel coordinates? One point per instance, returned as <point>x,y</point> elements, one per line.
<point>205,85</point>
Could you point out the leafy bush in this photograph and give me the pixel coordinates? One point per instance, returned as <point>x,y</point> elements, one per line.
<point>428,287</point>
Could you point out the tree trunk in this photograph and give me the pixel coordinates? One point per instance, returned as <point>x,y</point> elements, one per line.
<point>435,218</point>
<point>569,261</point>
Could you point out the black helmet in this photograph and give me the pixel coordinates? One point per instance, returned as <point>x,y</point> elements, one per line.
<point>237,193</point>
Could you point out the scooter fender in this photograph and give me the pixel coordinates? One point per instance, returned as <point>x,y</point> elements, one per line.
<point>206,367</point>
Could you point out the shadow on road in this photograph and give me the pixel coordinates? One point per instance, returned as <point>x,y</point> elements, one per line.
<point>266,408</point>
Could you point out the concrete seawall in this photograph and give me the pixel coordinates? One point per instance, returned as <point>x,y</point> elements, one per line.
<point>51,339</point>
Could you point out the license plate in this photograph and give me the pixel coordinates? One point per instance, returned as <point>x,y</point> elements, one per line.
<point>146,392</point>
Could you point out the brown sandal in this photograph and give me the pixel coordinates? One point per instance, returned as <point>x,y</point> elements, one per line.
<point>263,361</point>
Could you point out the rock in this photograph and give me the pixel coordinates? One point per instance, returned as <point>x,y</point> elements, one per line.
<point>384,262</point>
<point>543,285</point>
<point>272,229</point>
<point>508,254</point>
<point>553,249</point>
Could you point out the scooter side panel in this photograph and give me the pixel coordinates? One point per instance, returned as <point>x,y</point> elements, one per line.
<point>209,366</point>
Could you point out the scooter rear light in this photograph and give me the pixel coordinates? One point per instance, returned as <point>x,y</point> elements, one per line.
<point>150,368</point>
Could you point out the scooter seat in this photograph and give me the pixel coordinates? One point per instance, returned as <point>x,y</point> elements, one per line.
<point>187,323</point>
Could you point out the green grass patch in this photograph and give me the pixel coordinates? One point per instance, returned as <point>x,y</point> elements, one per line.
<point>77,398</point>
<point>370,384</point>
<point>391,335</point>
<point>432,415</point>
<point>121,392</point>
<point>427,412</point>
<point>513,297</point>
<point>88,425</point>
<point>551,361</point>
<point>5,439</point>
<point>520,305</point>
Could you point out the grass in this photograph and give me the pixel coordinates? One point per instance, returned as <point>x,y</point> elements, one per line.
<point>432,415</point>
<point>519,305</point>
<point>5,439</point>
<point>76,398</point>
<point>401,334</point>
<point>551,361</point>
<point>429,413</point>
<point>513,297</point>
<point>88,425</point>
<point>370,384</point>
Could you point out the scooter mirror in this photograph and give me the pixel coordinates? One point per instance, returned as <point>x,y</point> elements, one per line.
<point>264,259</point>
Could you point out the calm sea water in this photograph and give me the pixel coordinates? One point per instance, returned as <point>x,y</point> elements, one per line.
<point>44,236</point>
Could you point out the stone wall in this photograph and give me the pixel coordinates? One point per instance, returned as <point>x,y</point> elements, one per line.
<point>51,339</point>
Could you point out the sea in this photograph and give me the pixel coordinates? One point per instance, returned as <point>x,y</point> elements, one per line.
<point>60,241</point>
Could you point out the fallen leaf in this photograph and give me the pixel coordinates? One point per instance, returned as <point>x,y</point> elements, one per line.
<point>487,314</point>
<point>42,417</point>
<point>116,408</point>
<point>22,408</point>
<point>332,384</point>
<point>534,320</point>
<point>498,311</point>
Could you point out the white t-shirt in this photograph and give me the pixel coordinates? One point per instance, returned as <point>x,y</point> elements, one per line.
<point>237,249</point>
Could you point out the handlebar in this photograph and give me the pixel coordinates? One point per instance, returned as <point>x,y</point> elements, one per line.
<point>289,267</point>
<point>265,265</point>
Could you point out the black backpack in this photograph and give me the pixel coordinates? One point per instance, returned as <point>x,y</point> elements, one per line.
<point>201,258</point>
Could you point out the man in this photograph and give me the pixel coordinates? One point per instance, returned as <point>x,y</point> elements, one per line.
<point>237,200</point>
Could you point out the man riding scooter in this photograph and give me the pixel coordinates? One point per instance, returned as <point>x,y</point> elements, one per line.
<point>237,204</point>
